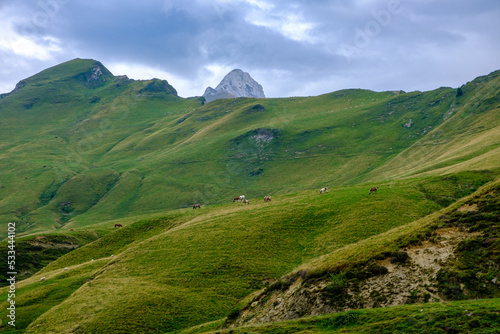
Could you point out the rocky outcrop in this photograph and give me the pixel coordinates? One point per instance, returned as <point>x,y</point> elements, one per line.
<point>94,76</point>
<point>235,84</point>
<point>156,86</point>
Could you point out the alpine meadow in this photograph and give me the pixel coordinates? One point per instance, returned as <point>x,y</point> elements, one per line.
<point>126,203</point>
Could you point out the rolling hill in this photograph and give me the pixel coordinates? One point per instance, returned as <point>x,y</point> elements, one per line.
<point>82,150</point>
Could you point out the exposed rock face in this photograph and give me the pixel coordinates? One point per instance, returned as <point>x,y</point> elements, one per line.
<point>235,84</point>
<point>94,76</point>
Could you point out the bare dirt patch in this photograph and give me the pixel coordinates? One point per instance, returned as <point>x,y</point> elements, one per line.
<point>468,208</point>
<point>409,282</point>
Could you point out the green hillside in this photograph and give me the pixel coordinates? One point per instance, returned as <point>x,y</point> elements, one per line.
<point>192,266</point>
<point>82,150</point>
<point>81,146</point>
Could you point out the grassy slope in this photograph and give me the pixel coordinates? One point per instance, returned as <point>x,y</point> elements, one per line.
<point>464,277</point>
<point>193,265</point>
<point>123,151</point>
<point>468,140</point>
<point>56,126</point>
<point>155,151</point>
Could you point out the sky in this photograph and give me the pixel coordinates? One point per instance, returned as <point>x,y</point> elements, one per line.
<point>291,47</point>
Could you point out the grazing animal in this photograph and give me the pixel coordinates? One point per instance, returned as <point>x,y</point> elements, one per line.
<point>267,199</point>
<point>372,190</point>
<point>236,199</point>
<point>245,201</point>
<point>197,206</point>
<point>72,230</point>
<point>323,190</point>
<point>118,225</point>
<point>66,268</point>
<point>42,279</point>
<point>242,197</point>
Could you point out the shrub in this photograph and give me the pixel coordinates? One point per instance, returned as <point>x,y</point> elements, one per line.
<point>338,284</point>
<point>399,257</point>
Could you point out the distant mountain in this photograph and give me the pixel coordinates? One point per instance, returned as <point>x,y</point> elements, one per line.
<point>235,84</point>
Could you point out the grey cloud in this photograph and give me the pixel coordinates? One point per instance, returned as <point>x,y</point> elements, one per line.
<point>409,51</point>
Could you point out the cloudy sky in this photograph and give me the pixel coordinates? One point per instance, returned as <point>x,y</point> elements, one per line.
<point>291,47</point>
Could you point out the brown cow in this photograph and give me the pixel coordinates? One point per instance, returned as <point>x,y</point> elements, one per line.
<point>245,201</point>
<point>372,190</point>
<point>118,225</point>
<point>236,199</point>
<point>197,206</point>
<point>267,199</point>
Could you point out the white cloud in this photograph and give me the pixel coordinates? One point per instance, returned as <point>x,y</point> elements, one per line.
<point>289,23</point>
<point>215,74</point>
<point>12,42</point>
<point>211,76</point>
<point>262,5</point>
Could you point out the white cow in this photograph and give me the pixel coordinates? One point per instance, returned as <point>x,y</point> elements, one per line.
<point>323,190</point>
<point>242,197</point>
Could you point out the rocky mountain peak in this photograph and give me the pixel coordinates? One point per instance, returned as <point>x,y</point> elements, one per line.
<point>235,84</point>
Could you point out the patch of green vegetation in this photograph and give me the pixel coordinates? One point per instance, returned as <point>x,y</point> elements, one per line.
<point>445,190</point>
<point>37,297</point>
<point>476,316</point>
<point>36,252</point>
<point>118,240</point>
<point>476,268</point>
<point>339,285</point>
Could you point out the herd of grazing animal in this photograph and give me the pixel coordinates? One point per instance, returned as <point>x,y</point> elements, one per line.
<point>242,199</point>
<point>266,199</point>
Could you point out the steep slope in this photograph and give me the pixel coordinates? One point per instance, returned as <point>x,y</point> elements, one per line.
<point>468,139</point>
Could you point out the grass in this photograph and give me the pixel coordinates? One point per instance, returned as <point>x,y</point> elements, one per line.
<point>35,297</point>
<point>198,263</point>
<point>477,316</point>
